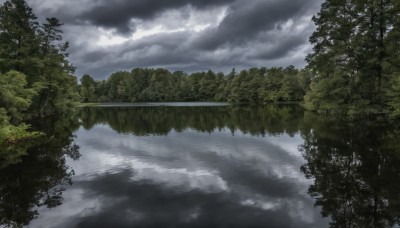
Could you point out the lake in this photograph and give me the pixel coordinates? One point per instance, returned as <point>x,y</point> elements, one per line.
<point>202,165</point>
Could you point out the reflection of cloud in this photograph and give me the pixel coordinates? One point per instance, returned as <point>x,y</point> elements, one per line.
<point>192,158</point>
<point>189,177</point>
<point>277,156</point>
<point>182,178</point>
<point>264,154</point>
<point>289,145</point>
<point>75,204</point>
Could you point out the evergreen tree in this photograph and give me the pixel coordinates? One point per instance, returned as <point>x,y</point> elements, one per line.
<point>355,48</point>
<point>18,41</point>
<point>45,83</point>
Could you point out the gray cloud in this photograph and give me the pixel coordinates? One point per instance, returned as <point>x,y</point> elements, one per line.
<point>188,35</point>
<point>118,14</point>
<point>248,18</point>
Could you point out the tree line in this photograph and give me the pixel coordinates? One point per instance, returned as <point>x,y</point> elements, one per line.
<point>256,85</point>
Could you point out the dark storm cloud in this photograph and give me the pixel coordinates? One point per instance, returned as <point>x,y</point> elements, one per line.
<point>154,51</point>
<point>280,48</point>
<point>235,33</point>
<point>118,13</point>
<point>249,18</point>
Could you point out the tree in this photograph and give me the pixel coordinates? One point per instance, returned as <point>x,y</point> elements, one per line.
<point>141,78</point>
<point>119,86</point>
<point>160,86</point>
<point>15,97</point>
<point>88,88</point>
<point>355,53</point>
<point>55,81</point>
<point>38,52</point>
<point>36,77</point>
<point>208,86</point>
<point>18,41</point>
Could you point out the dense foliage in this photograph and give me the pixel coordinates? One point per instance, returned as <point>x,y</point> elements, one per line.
<point>255,85</point>
<point>356,58</point>
<point>36,79</point>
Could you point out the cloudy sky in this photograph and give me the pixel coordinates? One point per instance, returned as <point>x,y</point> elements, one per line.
<point>188,35</point>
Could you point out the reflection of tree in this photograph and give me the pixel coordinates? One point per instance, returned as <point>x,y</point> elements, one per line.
<point>258,120</point>
<point>356,172</point>
<point>12,154</point>
<point>38,177</point>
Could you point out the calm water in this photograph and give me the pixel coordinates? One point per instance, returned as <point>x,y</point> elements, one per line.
<point>202,165</point>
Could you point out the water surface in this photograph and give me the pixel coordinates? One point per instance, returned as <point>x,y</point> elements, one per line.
<point>202,165</point>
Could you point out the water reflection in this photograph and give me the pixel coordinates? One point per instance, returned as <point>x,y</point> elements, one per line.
<point>142,121</point>
<point>356,172</point>
<point>187,166</point>
<point>220,166</point>
<point>34,174</point>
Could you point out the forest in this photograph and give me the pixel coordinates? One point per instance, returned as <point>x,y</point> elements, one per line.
<point>352,72</point>
<point>256,85</point>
